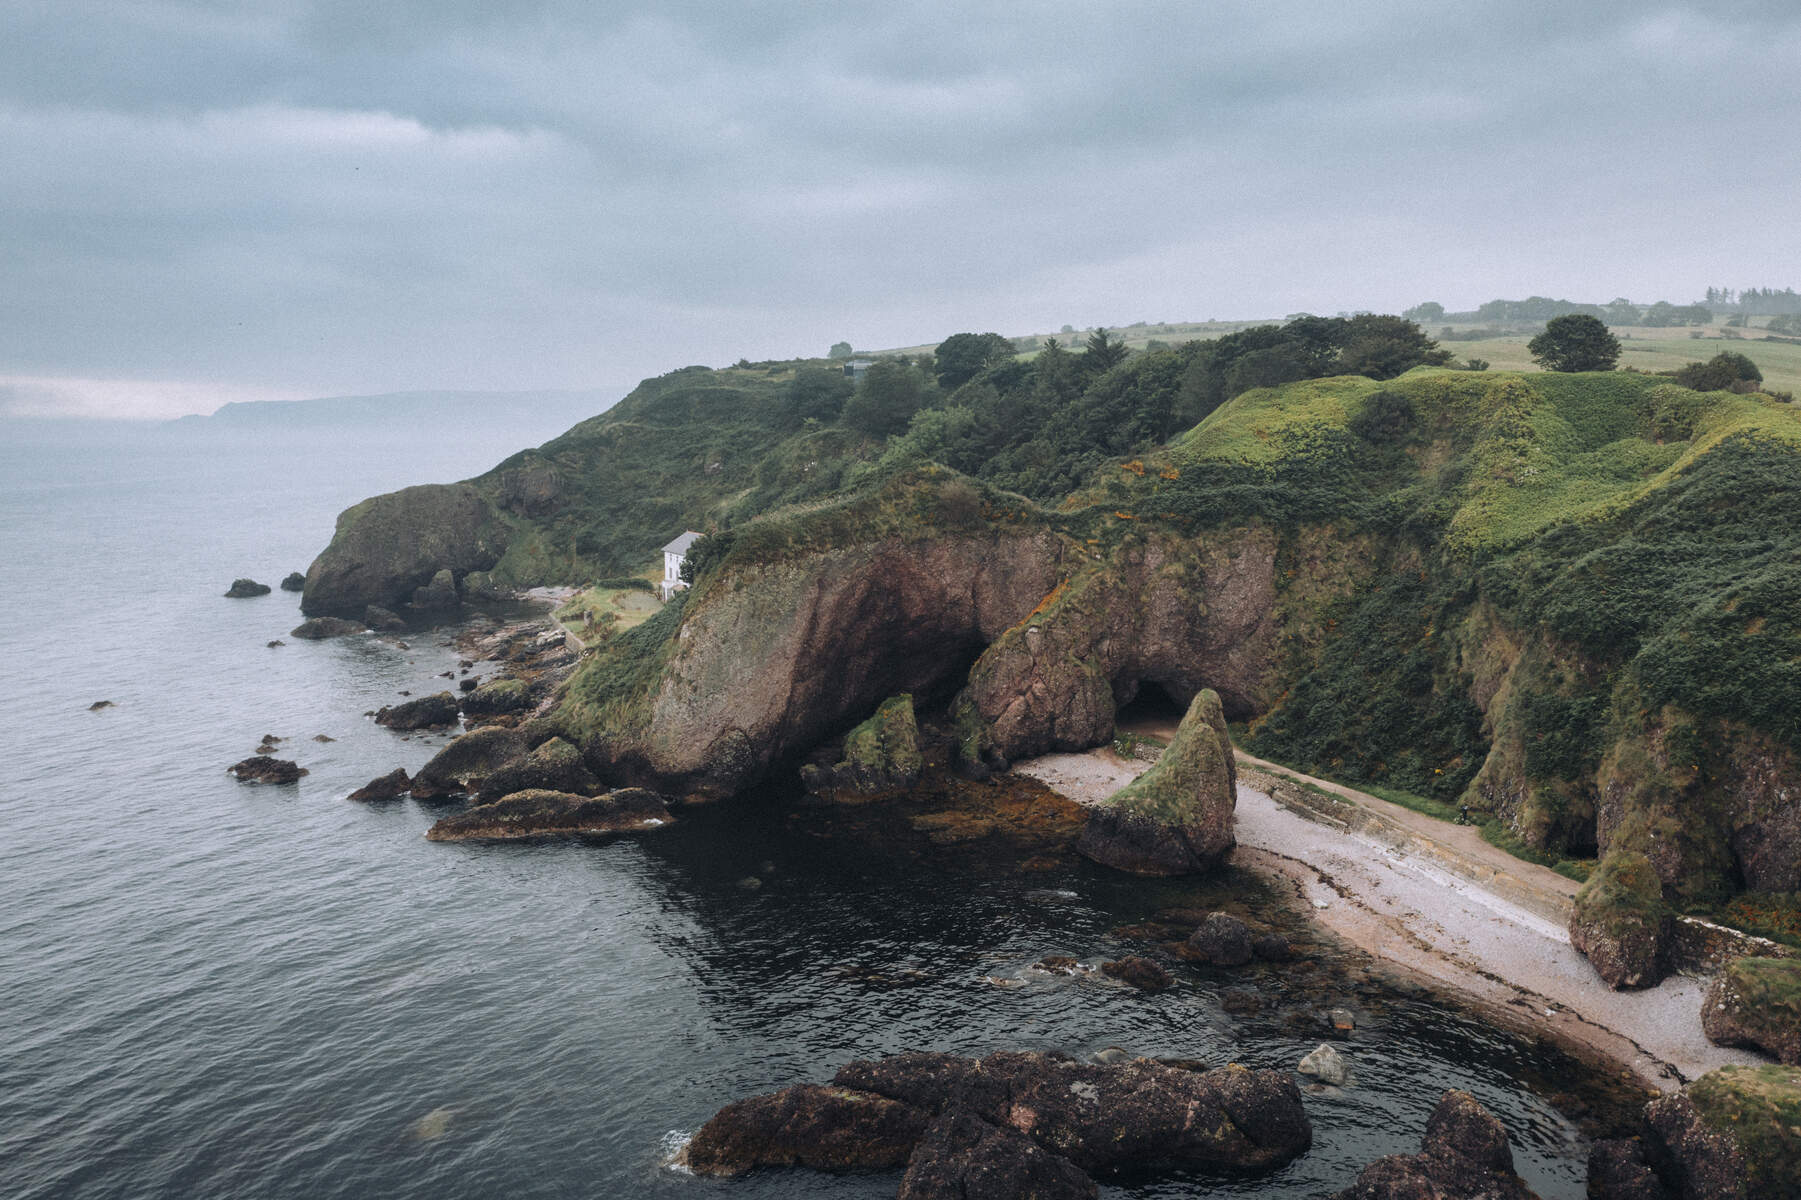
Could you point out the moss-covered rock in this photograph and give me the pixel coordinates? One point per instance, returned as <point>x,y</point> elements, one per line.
<point>555,766</point>
<point>1756,1002</point>
<point>389,545</point>
<point>242,589</point>
<point>425,712</point>
<point>497,696</point>
<point>1733,1134</point>
<point>466,762</point>
<point>542,813</point>
<point>1621,923</point>
<point>317,629</point>
<point>881,754</point>
<point>1176,817</point>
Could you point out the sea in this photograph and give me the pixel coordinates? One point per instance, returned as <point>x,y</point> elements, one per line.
<point>214,989</point>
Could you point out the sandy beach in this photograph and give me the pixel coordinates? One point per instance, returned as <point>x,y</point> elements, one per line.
<point>1440,903</point>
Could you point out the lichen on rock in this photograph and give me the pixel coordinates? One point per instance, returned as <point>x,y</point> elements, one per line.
<point>882,754</point>
<point>1620,922</point>
<point>1756,1002</point>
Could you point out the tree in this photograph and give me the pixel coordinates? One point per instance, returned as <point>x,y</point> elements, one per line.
<point>1382,347</point>
<point>1431,310</point>
<point>1725,371</point>
<point>839,350</point>
<point>818,392</point>
<point>890,394</point>
<point>963,356</point>
<point>1577,342</point>
<point>1104,353</point>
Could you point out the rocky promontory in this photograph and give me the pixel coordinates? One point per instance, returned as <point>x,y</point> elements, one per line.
<point>539,813</point>
<point>390,545</point>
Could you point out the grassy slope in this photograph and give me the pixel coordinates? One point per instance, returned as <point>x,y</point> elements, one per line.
<point>1651,349</point>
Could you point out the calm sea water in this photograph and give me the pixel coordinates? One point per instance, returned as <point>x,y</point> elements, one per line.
<point>212,989</point>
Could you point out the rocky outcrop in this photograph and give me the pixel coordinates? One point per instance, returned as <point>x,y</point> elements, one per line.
<point>383,619</point>
<point>1140,972</point>
<point>538,813</point>
<point>317,629</point>
<point>1177,816</point>
<point>387,546</point>
<point>1325,1064</point>
<point>465,763</point>
<point>1756,1002</point>
<point>243,589</point>
<point>555,766</point>
<point>1618,1170</point>
<point>1222,940</point>
<point>263,769</point>
<point>1464,1156</point>
<point>496,697</point>
<point>440,593</point>
<point>1620,922</point>
<point>1091,1116</point>
<point>1700,1160</point>
<point>427,712</point>
<point>1733,1134</point>
<point>392,786</point>
<point>294,581</point>
<point>882,754</point>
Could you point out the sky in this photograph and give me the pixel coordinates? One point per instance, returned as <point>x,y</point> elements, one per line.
<point>204,201</point>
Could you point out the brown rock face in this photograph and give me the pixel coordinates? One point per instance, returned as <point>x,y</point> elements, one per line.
<point>1222,940</point>
<point>387,546</point>
<point>826,1128</point>
<point>1140,972</point>
<point>1704,1163</point>
<point>1756,1002</point>
<point>392,786</point>
<point>962,1155</point>
<point>426,712</point>
<point>465,763</point>
<point>1617,1170</point>
<point>1464,1156</point>
<point>1620,923</point>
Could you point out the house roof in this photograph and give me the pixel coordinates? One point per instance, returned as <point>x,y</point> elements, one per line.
<point>680,545</point>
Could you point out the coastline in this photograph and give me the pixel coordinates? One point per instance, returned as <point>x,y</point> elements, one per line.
<point>1464,918</point>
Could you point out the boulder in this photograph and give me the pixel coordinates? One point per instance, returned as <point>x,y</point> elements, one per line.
<point>1756,1002</point>
<point>263,769</point>
<point>386,620</point>
<point>1326,1065</point>
<point>540,813</point>
<point>881,754</point>
<point>440,593</point>
<point>466,762</point>
<point>961,1155</point>
<point>1620,922</point>
<point>389,545</point>
<point>293,582</point>
<point>242,589</point>
<point>1618,1170</point>
<point>391,786</point>
<point>427,712</point>
<point>318,628</point>
<point>479,588</point>
<point>1222,940</point>
<point>1271,947</point>
<point>1733,1134</point>
<point>97,705</point>
<point>555,766</point>
<point>1140,972</point>
<point>497,696</point>
<point>827,1128</point>
<point>1464,1156</point>
<point>1177,816</point>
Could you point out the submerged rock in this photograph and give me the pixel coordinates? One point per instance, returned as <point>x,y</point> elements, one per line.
<point>881,754</point>
<point>391,786</point>
<point>555,766</point>
<point>462,765</point>
<point>427,712</point>
<point>1620,923</point>
<point>319,628</point>
<point>242,589</point>
<point>1464,1156</point>
<point>1140,972</point>
<point>1756,1002</point>
<point>542,813</point>
<point>1733,1134</point>
<point>1222,940</point>
<point>263,769</point>
<point>97,705</point>
<point>1177,816</point>
<point>293,582</point>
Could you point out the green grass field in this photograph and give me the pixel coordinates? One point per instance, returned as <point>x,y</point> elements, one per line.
<point>629,608</point>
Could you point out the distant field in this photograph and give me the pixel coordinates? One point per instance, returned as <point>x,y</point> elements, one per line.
<point>1655,350</point>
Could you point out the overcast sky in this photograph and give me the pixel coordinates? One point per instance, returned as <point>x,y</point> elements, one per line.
<point>204,200</point>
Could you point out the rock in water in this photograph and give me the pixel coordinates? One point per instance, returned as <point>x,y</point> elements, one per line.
<point>391,786</point>
<point>377,617</point>
<point>388,545</point>
<point>1619,921</point>
<point>440,593</point>
<point>242,589</point>
<point>1464,1156</point>
<point>1617,1170</point>
<point>497,696</point>
<point>263,769</point>
<point>827,1128</point>
<point>1733,1134</point>
<point>1222,940</point>
<point>881,754</point>
<point>1140,972</point>
<point>293,582</point>
<point>466,762</point>
<point>424,713</point>
<point>319,628</point>
<point>1177,816</point>
<point>556,766</point>
<point>540,813</point>
<point>97,705</point>
<point>1326,1065</point>
<point>1756,1002</point>
<point>962,1155</point>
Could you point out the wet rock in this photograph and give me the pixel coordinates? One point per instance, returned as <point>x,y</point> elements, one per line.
<point>467,685</point>
<point>1620,923</point>
<point>427,712</point>
<point>1241,1000</point>
<point>1618,1170</point>
<point>540,813</point>
<point>319,628</point>
<point>827,1128</point>
<point>479,588</point>
<point>1756,1002</point>
<point>294,581</point>
<point>1271,947</point>
<point>97,705</point>
<point>386,620</point>
<point>277,642</point>
<point>1058,964</point>
<point>263,769</point>
<point>1464,1156</point>
<point>323,737</point>
<point>1326,1065</point>
<point>961,1155</point>
<point>554,766</point>
<point>392,786</point>
<point>1222,940</point>
<point>882,754</point>
<point>466,762</point>
<point>1733,1134</point>
<point>243,589</point>
<point>1342,1019</point>
<point>1177,816</point>
<point>497,696</point>
<point>1140,972</point>
<point>440,593</point>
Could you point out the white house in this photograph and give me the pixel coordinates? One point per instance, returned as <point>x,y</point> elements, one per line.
<point>673,554</point>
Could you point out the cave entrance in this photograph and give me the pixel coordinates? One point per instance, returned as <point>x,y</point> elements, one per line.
<point>1151,710</point>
